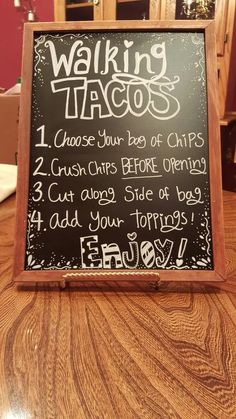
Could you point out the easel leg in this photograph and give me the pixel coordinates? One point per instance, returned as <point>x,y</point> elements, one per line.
<point>155,285</point>
<point>62,284</point>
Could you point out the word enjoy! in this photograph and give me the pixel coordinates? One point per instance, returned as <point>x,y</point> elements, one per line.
<point>107,256</point>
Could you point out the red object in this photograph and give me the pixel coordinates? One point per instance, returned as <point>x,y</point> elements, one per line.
<point>11,33</point>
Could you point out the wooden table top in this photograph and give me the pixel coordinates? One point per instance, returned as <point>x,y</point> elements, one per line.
<point>117,351</point>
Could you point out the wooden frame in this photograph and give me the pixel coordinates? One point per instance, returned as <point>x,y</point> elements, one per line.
<point>225,34</point>
<point>104,10</point>
<point>20,275</point>
<point>226,60</point>
<point>60,8</point>
<point>168,9</point>
<point>110,8</point>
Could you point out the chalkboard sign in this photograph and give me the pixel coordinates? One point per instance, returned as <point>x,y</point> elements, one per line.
<point>119,171</point>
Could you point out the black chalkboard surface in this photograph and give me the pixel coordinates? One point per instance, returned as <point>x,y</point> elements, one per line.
<point>120,176</point>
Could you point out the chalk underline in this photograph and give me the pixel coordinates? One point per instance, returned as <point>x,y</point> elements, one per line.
<point>141,177</point>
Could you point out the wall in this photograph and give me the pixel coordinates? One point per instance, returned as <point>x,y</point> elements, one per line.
<point>11,33</point>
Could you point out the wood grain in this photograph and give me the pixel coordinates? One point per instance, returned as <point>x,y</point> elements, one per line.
<point>117,350</point>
